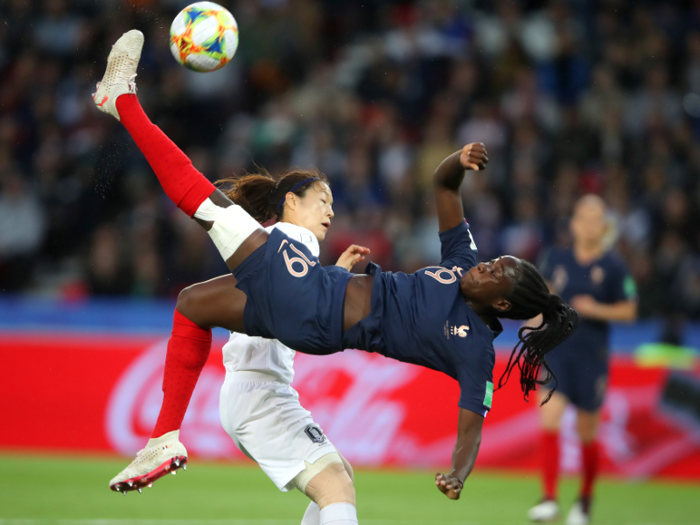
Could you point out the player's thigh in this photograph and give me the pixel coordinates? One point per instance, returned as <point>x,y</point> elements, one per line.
<point>216,302</point>
<point>553,410</point>
<point>591,381</point>
<point>267,421</point>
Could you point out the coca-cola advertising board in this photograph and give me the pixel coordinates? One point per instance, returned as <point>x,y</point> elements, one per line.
<point>102,393</point>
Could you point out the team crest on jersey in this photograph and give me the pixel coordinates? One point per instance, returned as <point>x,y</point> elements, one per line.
<point>458,331</point>
<point>315,433</point>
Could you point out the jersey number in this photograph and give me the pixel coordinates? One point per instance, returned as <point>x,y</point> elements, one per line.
<point>443,275</point>
<point>301,260</point>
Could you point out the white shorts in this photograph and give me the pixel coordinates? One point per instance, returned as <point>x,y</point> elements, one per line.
<point>268,424</point>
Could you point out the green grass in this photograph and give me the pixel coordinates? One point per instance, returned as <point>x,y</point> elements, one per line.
<point>61,490</point>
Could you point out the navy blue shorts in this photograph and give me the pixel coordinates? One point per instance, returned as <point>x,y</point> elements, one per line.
<point>292,298</point>
<point>582,375</point>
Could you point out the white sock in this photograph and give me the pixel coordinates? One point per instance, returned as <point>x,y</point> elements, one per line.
<point>339,514</point>
<point>312,516</point>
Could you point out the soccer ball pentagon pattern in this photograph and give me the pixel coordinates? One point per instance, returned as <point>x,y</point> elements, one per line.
<point>204,36</point>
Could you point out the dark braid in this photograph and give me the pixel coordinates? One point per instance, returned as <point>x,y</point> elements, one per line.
<point>530,297</point>
<point>260,194</point>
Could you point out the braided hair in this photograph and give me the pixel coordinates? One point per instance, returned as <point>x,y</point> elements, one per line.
<point>262,196</point>
<point>530,297</point>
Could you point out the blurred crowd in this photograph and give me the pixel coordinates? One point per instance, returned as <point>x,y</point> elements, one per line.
<point>569,97</point>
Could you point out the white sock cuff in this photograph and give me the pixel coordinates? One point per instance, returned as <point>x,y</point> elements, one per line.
<point>339,514</point>
<point>312,515</point>
<point>168,436</point>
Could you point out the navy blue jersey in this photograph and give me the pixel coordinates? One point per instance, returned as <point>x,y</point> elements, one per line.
<point>606,280</point>
<point>424,319</point>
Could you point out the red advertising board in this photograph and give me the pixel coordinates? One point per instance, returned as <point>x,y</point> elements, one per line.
<point>102,393</point>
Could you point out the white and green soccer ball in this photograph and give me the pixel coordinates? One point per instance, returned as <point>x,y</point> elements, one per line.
<point>204,36</point>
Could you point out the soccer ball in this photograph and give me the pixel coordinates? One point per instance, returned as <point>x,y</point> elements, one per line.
<point>204,36</point>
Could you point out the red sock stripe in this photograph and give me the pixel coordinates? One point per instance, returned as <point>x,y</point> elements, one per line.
<point>188,351</point>
<point>550,463</point>
<point>589,455</point>
<point>185,186</point>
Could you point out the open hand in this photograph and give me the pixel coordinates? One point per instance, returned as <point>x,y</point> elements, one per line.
<point>448,485</point>
<point>351,256</point>
<point>474,156</point>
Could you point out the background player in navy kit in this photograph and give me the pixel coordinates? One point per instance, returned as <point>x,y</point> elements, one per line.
<point>442,317</point>
<point>597,284</point>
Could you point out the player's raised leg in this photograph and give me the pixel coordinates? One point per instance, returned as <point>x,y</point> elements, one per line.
<point>229,226</point>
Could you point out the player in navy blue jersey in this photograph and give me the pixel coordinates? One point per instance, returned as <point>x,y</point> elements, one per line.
<point>443,317</point>
<point>596,282</point>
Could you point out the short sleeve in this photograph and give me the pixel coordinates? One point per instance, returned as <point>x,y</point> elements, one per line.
<point>475,377</point>
<point>622,285</point>
<point>458,247</point>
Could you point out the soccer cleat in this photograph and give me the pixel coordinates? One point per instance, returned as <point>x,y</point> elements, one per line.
<point>546,510</point>
<point>151,464</point>
<point>579,514</point>
<point>120,75</point>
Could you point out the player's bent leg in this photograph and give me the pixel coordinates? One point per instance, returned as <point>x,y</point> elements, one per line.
<point>328,483</point>
<point>216,302</point>
<point>161,456</point>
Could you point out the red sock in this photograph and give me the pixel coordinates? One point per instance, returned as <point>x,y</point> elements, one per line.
<point>185,186</point>
<point>188,351</point>
<point>550,463</point>
<point>590,467</point>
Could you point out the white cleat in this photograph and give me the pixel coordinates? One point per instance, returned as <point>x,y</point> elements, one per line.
<point>547,510</point>
<point>120,75</point>
<point>578,515</point>
<point>162,455</point>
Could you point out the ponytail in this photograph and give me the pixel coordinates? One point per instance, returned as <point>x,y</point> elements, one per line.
<point>529,298</point>
<point>263,197</point>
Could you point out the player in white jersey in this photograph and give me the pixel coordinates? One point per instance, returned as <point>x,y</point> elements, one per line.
<point>261,411</point>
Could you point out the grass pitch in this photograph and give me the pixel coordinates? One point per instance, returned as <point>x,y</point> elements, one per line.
<point>43,490</point>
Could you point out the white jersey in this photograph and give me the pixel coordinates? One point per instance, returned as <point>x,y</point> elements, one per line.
<point>244,353</point>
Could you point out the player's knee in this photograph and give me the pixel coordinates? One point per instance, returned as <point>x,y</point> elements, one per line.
<point>587,426</point>
<point>186,301</point>
<point>327,481</point>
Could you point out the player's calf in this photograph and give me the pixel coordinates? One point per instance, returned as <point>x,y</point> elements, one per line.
<point>161,456</point>
<point>328,484</point>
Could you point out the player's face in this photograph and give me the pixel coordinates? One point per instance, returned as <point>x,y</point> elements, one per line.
<point>487,284</point>
<point>588,223</point>
<point>315,210</point>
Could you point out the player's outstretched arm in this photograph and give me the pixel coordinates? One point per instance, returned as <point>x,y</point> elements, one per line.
<point>464,454</point>
<point>448,178</point>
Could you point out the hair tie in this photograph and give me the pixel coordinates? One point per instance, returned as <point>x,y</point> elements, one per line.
<point>297,185</point>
